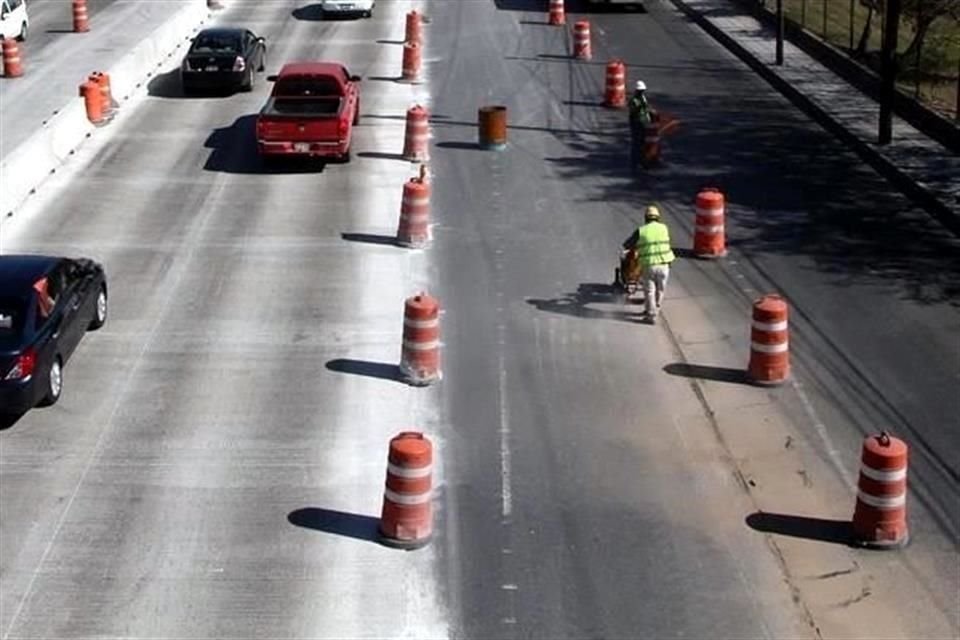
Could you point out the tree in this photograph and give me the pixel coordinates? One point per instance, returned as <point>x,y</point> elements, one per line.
<point>873,6</point>
<point>922,14</point>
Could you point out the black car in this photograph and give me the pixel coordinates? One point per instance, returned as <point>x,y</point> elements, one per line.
<point>221,59</point>
<point>46,305</point>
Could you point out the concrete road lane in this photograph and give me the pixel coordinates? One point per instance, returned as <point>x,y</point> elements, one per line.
<point>604,485</point>
<point>211,471</point>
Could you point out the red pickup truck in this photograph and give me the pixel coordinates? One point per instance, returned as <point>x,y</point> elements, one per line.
<point>311,112</point>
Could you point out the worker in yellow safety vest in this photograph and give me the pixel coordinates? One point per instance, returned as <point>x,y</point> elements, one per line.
<point>652,243</point>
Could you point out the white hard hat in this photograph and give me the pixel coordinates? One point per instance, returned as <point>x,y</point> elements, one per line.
<point>641,85</point>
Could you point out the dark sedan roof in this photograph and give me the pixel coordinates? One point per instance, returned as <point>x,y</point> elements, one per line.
<point>19,272</point>
<point>222,31</point>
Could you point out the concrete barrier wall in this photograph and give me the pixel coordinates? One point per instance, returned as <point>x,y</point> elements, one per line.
<point>24,169</point>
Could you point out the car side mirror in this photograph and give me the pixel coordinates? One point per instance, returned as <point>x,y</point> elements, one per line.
<point>356,78</point>
<point>271,78</point>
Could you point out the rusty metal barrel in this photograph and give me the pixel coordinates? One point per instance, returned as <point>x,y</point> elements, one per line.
<point>492,121</point>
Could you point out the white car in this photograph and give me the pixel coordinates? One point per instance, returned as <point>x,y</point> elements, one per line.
<point>13,19</point>
<point>347,7</point>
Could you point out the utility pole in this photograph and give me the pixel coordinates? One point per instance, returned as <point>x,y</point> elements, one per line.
<point>780,32</point>
<point>888,70</point>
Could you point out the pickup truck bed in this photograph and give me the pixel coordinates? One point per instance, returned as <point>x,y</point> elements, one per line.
<point>311,112</point>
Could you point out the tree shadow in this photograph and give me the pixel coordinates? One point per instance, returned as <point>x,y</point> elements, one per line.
<point>366,368</point>
<point>348,525</point>
<point>704,372</point>
<point>370,238</point>
<point>234,150</point>
<point>578,303</point>
<point>819,529</point>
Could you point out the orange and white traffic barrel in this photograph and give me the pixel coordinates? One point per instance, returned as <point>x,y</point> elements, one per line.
<point>81,20</point>
<point>417,135</point>
<point>420,359</point>
<point>709,237</point>
<point>414,228</point>
<point>558,14</point>
<point>411,61</point>
<point>413,29</point>
<point>615,94</point>
<point>102,80</point>
<point>581,40</point>
<point>880,517</point>
<point>406,520</point>
<point>12,66</point>
<point>92,101</point>
<point>769,343</point>
<point>651,143</point>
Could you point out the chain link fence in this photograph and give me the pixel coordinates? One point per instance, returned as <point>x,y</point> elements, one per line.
<point>928,52</point>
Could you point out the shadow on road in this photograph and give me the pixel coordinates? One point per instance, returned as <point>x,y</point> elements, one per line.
<point>379,155</point>
<point>366,368</point>
<point>370,238</point>
<point>234,150</point>
<point>820,529</point>
<point>348,525</point>
<point>704,372</point>
<point>463,146</point>
<point>578,303</point>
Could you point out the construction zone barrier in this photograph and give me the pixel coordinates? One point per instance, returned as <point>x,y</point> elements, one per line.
<point>12,66</point>
<point>880,517</point>
<point>406,520</point>
<point>651,143</point>
<point>492,127</point>
<point>769,344</point>
<point>615,95</point>
<point>92,101</point>
<point>557,14</point>
<point>420,359</point>
<point>102,80</point>
<point>411,61</point>
<point>413,29</point>
<point>581,40</point>
<point>81,20</point>
<point>709,237</point>
<point>414,228</point>
<point>417,135</point>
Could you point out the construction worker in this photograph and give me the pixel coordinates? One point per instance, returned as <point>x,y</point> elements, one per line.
<point>652,243</point>
<point>640,115</point>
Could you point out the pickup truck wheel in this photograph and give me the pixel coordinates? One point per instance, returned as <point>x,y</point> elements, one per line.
<point>346,157</point>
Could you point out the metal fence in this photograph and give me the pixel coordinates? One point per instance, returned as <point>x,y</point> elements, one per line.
<point>928,63</point>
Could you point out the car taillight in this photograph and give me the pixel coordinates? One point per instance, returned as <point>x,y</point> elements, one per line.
<point>343,127</point>
<point>23,367</point>
<point>239,64</point>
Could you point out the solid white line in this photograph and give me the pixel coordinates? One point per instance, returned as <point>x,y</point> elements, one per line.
<point>506,481</point>
<point>821,430</point>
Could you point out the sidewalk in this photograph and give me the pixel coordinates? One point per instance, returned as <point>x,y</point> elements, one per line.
<point>925,170</point>
<point>42,117</point>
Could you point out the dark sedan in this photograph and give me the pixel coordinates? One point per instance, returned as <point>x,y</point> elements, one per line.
<point>223,59</point>
<point>46,305</point>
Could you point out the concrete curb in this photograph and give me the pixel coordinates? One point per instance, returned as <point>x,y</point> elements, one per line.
<point>26,167</point>
<point>914,190</point>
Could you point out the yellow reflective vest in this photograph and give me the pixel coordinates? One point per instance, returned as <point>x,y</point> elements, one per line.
<point>653,244</point>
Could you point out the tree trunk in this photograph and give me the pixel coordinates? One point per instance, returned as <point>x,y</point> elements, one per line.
<point>865,36</point>
<point>919,36</point>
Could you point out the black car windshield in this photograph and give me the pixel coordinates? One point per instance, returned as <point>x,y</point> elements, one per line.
<point>11,322</point>
<point>216,42</point>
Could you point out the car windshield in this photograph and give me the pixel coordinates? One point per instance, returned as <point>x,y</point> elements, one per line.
<point>11,322</point>
<point>216,42</point>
